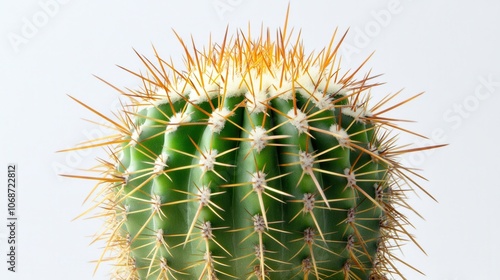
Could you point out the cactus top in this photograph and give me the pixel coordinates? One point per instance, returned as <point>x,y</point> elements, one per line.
<point>260,71</point>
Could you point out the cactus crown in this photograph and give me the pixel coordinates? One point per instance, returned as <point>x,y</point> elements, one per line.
<point>257,160</point>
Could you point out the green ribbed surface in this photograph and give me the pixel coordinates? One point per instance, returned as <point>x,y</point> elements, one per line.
<point>345,230</point>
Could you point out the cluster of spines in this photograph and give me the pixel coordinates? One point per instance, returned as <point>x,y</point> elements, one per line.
<point>176,169</point>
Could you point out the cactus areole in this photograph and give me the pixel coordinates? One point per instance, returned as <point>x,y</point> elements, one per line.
<point>255,160</point>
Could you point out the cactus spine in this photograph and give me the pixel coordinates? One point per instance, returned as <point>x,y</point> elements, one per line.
<point>257,161</point>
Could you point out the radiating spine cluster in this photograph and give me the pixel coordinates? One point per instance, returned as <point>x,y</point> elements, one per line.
<point>257,161</point>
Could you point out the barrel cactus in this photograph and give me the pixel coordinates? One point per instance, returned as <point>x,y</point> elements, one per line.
<point>255,160</point>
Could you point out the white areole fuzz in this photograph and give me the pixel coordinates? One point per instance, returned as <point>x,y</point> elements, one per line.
<point>203,85</point>
<point>257,101</point>
<point>306,160</point>
<point>176,120</point>
<point>322,100</point>
<point>350,176</point>
<point>218,119</point>
<point>258,137</point>
<point>136,134</point>
<point>258,87</point>
<point>298,119</point>
<point>205,194</point>
<point>340,134</point>
<point>160,164</point>
<point>257,96</point>
<point>358,114</point>
<point>207,160</point>
<point>176,90</point>
<point>258,181</point>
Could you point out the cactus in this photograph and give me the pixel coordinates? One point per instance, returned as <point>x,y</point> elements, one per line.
<point>254,161</point>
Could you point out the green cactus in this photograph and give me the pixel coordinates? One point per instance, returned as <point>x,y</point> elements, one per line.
<point>256,161</point>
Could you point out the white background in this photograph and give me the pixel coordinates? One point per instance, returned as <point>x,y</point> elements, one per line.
<point>449,49</point>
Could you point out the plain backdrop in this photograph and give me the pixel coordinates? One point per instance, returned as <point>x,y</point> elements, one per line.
<point>50,49</point>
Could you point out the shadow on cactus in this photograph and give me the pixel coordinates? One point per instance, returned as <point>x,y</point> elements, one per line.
<point>255,160</point>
